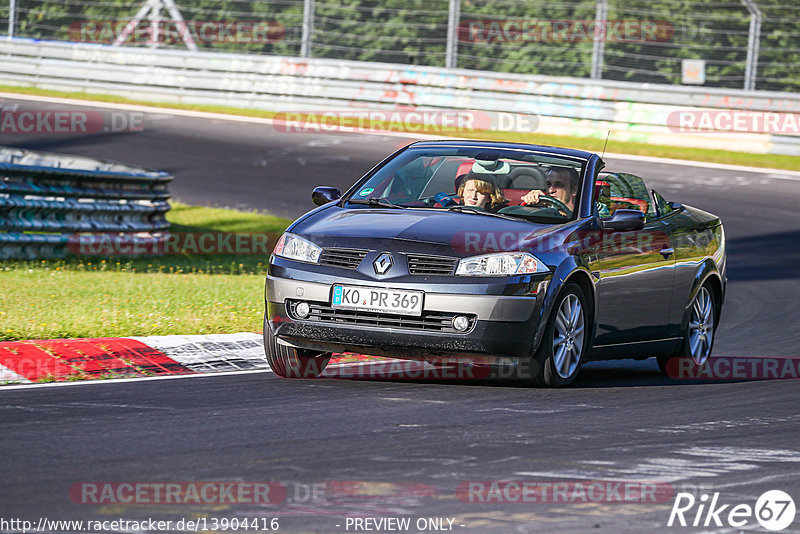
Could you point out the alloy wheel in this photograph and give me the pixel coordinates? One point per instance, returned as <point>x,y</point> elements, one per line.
<point>568,336</point>
<point>701,326</point>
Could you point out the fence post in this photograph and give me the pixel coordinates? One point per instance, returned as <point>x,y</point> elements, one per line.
<point>453,18</point>
<point>308,28</point>
<point>753,39</point>
<point>12,16</point>
<point>599,46</point>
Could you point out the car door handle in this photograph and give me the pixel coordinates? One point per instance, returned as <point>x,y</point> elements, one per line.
<point>666,252</point>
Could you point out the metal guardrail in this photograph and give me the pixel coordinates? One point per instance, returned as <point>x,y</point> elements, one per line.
<point>564,106</point>
<point>45,199</point>
<point>742,44</point>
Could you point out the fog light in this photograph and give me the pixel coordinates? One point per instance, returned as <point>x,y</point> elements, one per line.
<point>302,310</point>
<point>460,323</point>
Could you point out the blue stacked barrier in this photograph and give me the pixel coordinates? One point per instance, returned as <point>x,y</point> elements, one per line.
<point>46,199</point>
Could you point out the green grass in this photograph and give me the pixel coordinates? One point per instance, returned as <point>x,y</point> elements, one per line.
<point>586,143</point>
<point>184,218</point>
<point>177,294</point>
<point>42,304</point>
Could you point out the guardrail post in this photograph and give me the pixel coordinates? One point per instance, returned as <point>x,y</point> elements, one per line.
<point>599,47</point>
<point>12,15</point>
<point>753,43</point>
<point>308,28</point>
<point>453,18</point>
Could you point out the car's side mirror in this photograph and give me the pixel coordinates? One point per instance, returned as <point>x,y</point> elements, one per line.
<point>324,194</point>
<point>624,221</point>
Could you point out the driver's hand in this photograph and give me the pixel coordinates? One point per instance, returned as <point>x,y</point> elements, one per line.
<point>533,197</point>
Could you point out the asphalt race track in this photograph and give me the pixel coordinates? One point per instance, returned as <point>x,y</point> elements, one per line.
<point>408,449</point>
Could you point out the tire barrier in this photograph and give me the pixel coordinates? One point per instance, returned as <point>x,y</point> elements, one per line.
<point>47,200</point>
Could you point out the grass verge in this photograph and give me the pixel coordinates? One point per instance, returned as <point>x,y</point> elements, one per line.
<point>176,294</point>
<point>772,161</point>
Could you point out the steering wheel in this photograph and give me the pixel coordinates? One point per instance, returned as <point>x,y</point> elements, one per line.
<point>554,202</point>
<point>433,200</point>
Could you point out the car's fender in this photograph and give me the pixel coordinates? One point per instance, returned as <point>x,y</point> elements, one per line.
<point>707,271</point>
<point>567,271</point>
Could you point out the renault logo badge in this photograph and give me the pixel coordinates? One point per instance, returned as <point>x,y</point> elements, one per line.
<point>383,263</point>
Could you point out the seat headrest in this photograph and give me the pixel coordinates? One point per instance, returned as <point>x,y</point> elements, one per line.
<point>527,178</point>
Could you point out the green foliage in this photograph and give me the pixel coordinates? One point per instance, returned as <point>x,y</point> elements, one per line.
<point>85,20</point>
<point>414,32</point>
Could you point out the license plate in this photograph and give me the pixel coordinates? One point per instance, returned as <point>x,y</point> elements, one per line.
<point>377,299</point>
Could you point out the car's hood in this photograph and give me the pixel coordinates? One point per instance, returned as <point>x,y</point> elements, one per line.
<point>442,232</point>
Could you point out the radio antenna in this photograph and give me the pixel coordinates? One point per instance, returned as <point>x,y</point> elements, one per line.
<point>605,144</point>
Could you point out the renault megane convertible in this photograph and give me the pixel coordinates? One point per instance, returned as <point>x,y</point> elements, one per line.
<point>533,257</point>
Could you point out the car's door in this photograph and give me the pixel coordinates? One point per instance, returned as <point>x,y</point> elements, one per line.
<point>634,271</point>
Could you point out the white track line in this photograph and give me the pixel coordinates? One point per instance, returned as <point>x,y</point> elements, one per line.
<point>10,387</point>
<point>778,173</point>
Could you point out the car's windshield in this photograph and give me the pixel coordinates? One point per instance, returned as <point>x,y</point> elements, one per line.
<point>532,185</point>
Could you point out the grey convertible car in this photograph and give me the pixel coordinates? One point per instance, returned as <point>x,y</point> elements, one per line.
<point>530,257</point>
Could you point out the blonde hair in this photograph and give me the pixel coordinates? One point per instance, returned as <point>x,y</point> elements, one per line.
<point>496,197</point>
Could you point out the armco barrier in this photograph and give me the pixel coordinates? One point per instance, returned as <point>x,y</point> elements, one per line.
<point>47,198</point>
<point>564,106</point>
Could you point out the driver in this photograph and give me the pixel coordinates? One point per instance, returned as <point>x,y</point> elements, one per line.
<point>479,192</point>
<point>562,185</point>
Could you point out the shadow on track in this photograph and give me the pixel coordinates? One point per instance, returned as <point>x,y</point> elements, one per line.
<point>620,373</point>
<point>764,257</point>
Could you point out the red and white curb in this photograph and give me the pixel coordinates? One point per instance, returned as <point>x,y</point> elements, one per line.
<point>60,360</point>
<point>75,359</point>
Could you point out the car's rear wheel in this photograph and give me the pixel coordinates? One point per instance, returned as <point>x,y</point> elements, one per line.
<point>561,352</point>
<point>698,337</point>
<point>289,362</point>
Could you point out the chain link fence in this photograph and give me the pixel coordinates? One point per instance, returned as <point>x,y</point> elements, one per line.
<point>741,44</point>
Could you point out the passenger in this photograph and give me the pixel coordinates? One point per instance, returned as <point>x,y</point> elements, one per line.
<point>562,185</point>
<point>478,192</point>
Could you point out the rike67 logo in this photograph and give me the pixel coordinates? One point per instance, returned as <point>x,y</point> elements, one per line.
<point>774,510</point>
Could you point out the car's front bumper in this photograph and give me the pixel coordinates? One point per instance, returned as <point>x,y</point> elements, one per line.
<point>500,325</point>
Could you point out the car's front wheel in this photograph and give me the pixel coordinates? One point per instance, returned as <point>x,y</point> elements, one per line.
<point>563,346</point>
<point>289,362</point>
<point>699,333</point>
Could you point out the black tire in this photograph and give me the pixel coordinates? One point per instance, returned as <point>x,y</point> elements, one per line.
<point>288,362</point>
<point>698,336</point>
<point>564,345</point>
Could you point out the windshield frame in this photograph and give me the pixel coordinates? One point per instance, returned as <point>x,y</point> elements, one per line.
<point>524,154</point>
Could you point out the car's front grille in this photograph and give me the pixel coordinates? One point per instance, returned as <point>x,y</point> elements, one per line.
<point>430,321</point>
<point>431,265</point>
<point>345,258</point>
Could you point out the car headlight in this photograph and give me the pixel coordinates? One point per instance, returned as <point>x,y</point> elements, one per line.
<point>501,264</point>
<point>294,247</point>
